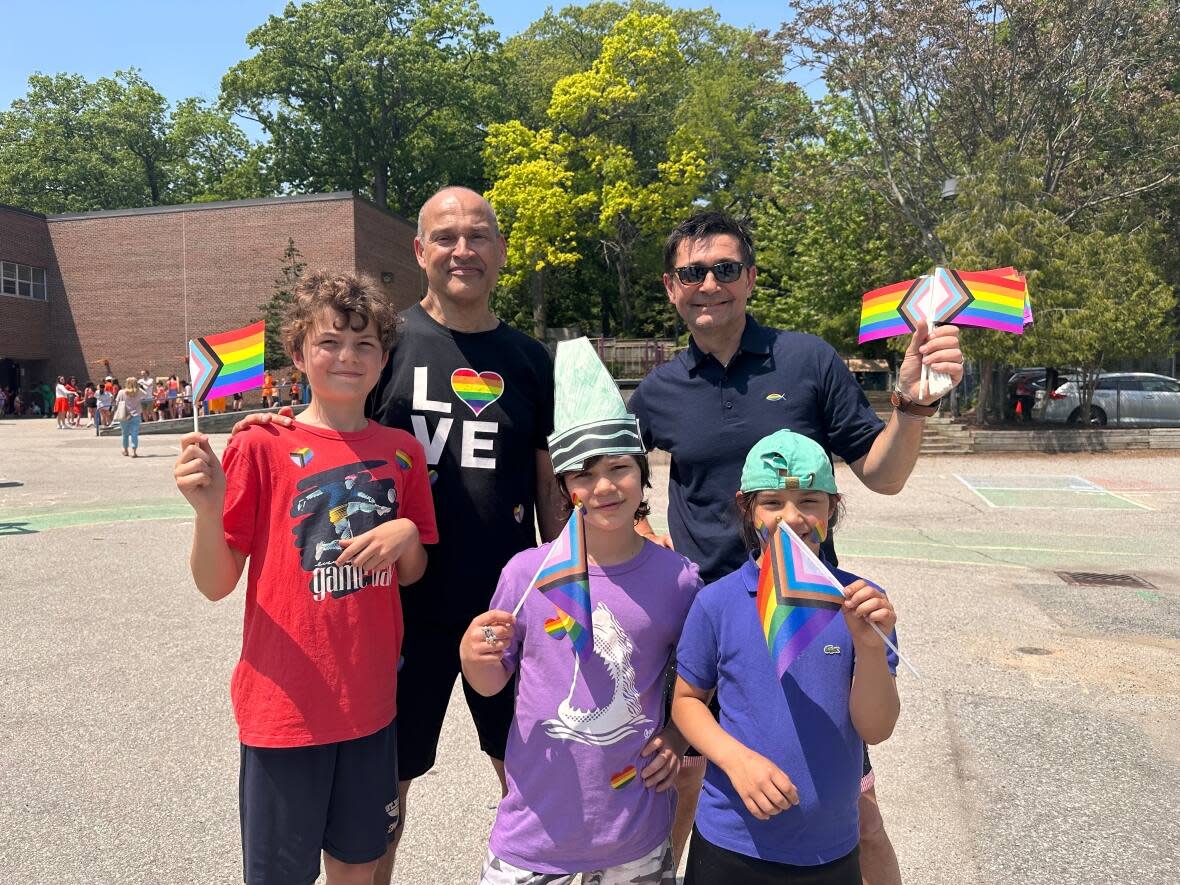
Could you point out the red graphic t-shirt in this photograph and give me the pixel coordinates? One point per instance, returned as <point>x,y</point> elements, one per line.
<point>321,642</point>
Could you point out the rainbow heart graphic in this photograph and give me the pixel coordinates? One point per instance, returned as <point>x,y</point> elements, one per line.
<point>620,779</point>
<point>477,389</point>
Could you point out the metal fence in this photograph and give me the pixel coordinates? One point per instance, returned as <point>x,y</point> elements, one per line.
<point>633,358</point>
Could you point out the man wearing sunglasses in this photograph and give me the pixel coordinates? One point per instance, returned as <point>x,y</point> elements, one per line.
<point>739,381</point>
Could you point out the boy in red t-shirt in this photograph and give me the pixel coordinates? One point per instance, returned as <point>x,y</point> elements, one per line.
<point>332,514</point>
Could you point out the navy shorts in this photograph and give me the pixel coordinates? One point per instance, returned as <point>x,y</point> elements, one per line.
<point>430,666</point>
<point>297,801</point>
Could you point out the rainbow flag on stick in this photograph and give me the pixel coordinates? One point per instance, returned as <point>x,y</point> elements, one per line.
<point>989,299</point>
<point>227,363</point>
<point>565,581</point>
<point>797,597</point>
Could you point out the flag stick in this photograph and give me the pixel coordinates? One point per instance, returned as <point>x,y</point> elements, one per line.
<point>532,583</point>
<point>193,400</point>
<point>934,383</point>
<point>928,309</point>
<point>540,568</point>
<point>896,650</point>
<point>816,561</point>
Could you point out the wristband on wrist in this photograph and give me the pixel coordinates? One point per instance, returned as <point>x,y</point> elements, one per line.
<point>907,406</point>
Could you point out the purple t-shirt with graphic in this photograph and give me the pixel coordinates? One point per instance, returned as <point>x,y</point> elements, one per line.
<point>575,799</point>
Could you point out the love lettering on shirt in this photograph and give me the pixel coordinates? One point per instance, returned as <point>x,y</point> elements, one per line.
<point>474,392</point>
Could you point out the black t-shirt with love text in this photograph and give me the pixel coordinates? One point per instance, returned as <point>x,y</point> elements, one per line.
<point>481,405</point>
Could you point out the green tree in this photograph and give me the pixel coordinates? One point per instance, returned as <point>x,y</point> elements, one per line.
<point>654,111</point>
<point>70,145</point>
<point>1077,87</point>
<point>598,157</point>
<point>533,201</point>
<point>1097,295</point>
<point>823,238</point>
<point>213,158</point>
<point>276,306</point>
<point>384,97</point>
<point>57,153</point>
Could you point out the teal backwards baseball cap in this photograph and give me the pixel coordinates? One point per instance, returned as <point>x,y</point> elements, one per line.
<point>787,460</point>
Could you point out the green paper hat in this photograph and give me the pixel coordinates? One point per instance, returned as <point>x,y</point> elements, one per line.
<point>787,460</point>
<point>589,416</point>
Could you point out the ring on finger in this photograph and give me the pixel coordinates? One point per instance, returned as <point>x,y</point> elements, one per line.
<point>489,635</point>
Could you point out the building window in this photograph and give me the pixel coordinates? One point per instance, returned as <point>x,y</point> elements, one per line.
<point>22,280</point>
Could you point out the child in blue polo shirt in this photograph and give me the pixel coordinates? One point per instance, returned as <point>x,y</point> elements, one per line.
<point>779,804</point>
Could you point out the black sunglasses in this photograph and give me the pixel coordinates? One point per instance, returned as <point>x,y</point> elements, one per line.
<point>723,272</point>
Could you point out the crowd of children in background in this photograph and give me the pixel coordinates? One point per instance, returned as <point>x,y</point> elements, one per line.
<point>91,404</point>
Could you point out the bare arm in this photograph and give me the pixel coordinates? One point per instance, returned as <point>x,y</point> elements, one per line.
<point>765,789</point>
<point>551,507</point>
<point>411,565</point>
<point>643,527</point>
<point>873,704</point>
<point>483,661</point>
<point>216,567</point>
<point>891,459</point>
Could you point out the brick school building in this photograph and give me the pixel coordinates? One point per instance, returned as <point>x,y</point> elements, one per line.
<point>120,291</point>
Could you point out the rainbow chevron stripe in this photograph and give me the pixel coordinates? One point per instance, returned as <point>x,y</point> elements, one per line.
<point>998,300</point>
<point>879,313</point>
<point>797,597</point>
<point>565,581</point>
<point>227,363</point>
<point>988,299</point>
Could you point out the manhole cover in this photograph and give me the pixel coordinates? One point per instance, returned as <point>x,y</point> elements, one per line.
<point>1100,579</point>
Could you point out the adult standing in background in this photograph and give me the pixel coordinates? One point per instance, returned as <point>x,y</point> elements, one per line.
<point>739,381</point>
<point>147,386</point>
<point>61,402</point>
<point>129,405</point>
<point>105,401</point>
<point>478,396</point>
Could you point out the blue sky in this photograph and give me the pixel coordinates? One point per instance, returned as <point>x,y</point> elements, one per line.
<point>183,48</point>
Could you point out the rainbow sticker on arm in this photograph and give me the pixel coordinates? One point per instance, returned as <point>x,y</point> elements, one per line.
<point>404,461</point>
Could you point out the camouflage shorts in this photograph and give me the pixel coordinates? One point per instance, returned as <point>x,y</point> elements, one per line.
<point>654,868</point>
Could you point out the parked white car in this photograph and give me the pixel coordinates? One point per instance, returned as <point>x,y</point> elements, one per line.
<point>1119,398</point>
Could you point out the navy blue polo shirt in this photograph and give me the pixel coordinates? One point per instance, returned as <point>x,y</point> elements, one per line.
<point>708,416</point>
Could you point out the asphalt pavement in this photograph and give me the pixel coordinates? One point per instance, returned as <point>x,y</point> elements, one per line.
<point>1039,746</point>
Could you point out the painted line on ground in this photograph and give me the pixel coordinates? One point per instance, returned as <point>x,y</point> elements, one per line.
<point>47,520</point>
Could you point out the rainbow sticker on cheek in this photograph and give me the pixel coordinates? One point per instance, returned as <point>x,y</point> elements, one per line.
<point>763,531</point>
<point>819,534</point>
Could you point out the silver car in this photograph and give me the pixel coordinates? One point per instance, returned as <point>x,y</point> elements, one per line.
<point>1119,398</point>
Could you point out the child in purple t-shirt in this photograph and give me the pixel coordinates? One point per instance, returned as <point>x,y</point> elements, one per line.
<point>590,760</point>
<point>779,803</point>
